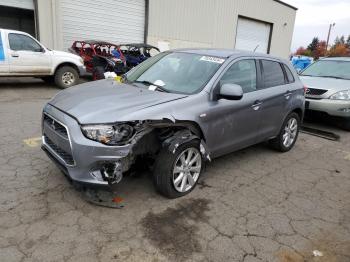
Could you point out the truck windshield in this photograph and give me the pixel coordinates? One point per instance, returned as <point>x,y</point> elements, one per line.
<point>329,68</point>
<point>176,72</point>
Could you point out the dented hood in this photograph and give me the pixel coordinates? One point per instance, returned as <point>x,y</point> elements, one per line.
<point>106,101</point>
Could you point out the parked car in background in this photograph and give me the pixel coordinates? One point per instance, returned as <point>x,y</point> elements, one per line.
<point>23,55</point>
<point>173,111</point>
<point>137,53</point>
<point>100,57</point>
<point>327,83</point>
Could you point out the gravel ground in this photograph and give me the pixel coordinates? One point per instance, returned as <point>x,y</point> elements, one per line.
<point>252,205</point>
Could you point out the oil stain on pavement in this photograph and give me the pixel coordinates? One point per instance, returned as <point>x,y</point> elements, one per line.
<point>173,231</point>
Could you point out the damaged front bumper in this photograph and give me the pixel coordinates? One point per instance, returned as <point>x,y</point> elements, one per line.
<point>82,160</point>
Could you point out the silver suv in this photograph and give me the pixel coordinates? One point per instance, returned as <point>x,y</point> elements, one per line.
<point>173,112</point>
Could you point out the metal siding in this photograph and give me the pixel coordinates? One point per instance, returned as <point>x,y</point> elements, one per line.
<point>25,4</point>
<point>116,21</point>
<point>213,23</point>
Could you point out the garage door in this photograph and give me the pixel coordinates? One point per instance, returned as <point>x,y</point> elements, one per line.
<point>117,21</point>
<point>253,35</point>
<point>25,4</point>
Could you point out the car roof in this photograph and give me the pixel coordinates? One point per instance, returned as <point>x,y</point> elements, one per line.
<point>96,42</point>
<point>139,45</point>
<point>224,53</point>
<point>336,58</point>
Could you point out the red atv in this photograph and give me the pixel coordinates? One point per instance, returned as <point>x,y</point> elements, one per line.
<point>100,57</point>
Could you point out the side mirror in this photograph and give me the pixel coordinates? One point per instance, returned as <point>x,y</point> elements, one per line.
<point>231,92</point>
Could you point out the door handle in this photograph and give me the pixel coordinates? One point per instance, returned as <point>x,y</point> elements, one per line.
<point>14,55</point>
<point>287,94</point>
<point>256,105</point>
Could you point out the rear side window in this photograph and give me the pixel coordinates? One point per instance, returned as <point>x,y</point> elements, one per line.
<point>20,42</point>
<point>290,77</point>
<point>242,73</point>
<point>273,73</point>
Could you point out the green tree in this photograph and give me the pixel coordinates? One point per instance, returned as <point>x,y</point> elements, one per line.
<point>314,44</point>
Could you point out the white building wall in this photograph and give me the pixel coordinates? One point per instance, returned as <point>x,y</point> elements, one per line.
<point>212,23</point>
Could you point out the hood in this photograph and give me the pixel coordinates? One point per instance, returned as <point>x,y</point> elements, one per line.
<point>107,101</point>
<point>64,54</point>
<point>326,83</point>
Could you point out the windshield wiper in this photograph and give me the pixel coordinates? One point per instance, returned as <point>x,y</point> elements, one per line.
<point>336,77</point>
<point>149,83</point>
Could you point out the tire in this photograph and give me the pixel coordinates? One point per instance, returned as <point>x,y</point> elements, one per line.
<point>164,178</point>
<point>66,76</point>
<point>99,73</point>
<point>48,79</point>
<point>279,143</point>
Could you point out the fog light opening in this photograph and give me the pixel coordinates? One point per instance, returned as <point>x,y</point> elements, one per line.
<point>112,172</point>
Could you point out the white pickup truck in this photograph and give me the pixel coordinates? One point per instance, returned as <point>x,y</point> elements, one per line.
<point>23,55</point>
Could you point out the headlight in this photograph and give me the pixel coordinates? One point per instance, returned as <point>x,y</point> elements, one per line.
<point>109,134</point>
<point>342,95</point>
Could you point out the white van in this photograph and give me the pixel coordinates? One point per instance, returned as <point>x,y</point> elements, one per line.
<point>23,55</point>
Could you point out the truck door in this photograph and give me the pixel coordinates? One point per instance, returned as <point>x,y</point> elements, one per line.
<point>27,56</point>
<point>4,65</point>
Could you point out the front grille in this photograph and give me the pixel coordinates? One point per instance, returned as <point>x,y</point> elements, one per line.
<point>68,158</point>
<point>315,92</point>
<point>60,129</point>
<point>57,140</point>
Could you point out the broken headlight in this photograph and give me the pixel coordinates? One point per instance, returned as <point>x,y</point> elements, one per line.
<point>109,134</point>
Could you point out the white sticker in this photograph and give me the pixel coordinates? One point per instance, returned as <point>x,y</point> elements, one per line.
<point>212,59</point>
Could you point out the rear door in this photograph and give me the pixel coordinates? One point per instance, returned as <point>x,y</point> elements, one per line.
<point>4,66</point>
<point>274,97</point>
<point>27,56</point>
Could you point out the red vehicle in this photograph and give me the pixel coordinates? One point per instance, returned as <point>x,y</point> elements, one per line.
<point>98,55</point>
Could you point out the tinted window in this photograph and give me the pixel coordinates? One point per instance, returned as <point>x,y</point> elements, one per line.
<point>242,73</point>
<point>290,76</point>
<point>23,43</point>
<point>273,73</point>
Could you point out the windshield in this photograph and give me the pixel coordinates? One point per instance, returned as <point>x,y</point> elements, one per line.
<point>176,72</point>
<point>329,68</point>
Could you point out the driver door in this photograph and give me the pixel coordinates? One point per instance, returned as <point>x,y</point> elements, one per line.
<point>234,123</point>
<point>27,56</point>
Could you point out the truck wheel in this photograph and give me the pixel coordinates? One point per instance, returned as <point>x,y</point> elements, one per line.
<point>66,76</point>
<point>176,174</point>
<point>288,134</point>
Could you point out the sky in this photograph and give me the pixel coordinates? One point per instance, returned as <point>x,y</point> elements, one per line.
<point>313,19</point>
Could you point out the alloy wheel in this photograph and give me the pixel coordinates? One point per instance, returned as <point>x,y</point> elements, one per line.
<point>187,169</point>
<point>290,132</point>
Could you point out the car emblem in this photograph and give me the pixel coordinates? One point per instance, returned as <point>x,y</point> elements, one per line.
<point>307,91</point>
<point>53,125</point>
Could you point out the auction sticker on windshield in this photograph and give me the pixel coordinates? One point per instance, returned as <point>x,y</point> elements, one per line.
<point>212,59</point>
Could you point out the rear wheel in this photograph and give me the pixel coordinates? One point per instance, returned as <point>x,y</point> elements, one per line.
<point>66,76</point>
<point>176,174</point>
<point>288,134</point>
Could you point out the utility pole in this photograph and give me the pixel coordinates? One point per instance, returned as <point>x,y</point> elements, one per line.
<point>329,33</point>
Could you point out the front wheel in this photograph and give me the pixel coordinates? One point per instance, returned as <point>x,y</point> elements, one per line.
<point>66,76</point>
<point>176,174</point>
<point>288,134</point>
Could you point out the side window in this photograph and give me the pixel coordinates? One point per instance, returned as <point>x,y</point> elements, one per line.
<point>242,73</point>
<point>273,73</point>
<point>20,42</point>
<point>290,76</point>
